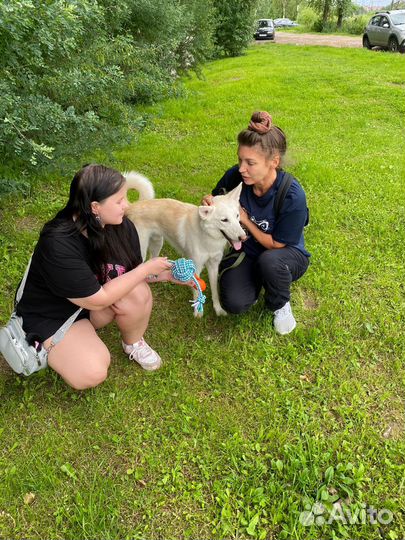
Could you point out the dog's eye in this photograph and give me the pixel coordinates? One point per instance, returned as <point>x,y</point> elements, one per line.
<point>225,220</point>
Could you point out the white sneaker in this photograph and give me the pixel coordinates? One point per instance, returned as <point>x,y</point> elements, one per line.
<point>284,321</point>
<point>142,353</point>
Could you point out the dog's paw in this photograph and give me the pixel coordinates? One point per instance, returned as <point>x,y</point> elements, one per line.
<point>219,311</point>
<point>198,314</point>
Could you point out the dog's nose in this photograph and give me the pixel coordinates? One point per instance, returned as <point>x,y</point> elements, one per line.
<point>242,238</point>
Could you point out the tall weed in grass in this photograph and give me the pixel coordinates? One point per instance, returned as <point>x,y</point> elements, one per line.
<point>242,431</point>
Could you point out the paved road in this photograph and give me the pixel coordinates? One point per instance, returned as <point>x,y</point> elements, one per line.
<point>316,39</point>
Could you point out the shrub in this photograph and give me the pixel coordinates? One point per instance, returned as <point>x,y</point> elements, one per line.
<point>234,27</point>
<point>307,17</point>
<point>356,24</point>
<point>70,72</point>
<point>329,27</point>
<point>60,86</point>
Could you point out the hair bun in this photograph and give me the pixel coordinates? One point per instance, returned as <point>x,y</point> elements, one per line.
<point>260,122</point>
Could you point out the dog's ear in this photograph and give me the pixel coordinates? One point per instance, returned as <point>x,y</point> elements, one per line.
<point>206,211</point>
<point>235,193</point>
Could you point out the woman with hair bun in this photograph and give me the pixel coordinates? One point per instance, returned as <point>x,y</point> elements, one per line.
<point>274,254</point>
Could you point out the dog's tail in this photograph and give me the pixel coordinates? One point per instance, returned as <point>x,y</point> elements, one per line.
<point>141,184</point>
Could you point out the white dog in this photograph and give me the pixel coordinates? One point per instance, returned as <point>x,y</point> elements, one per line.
<point>199,233</point>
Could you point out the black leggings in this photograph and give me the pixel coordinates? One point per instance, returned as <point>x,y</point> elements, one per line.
<point>274,269</point>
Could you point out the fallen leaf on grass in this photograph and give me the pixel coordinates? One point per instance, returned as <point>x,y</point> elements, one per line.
<point>69,470</point>
<point>29,498</point>
<point>387,432</point>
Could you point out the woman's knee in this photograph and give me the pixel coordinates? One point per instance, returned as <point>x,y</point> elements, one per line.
<point>82,369</point>
<point>95,379</point>
<point>141,295</point>
<point>92,374</point>
<point>235,304</point>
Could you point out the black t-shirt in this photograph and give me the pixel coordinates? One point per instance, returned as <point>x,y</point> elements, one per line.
<point>61,269</point>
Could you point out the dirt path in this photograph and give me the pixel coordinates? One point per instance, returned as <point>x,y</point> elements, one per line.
<point>314,39</point>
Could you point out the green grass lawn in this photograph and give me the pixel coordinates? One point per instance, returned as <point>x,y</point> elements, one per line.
<point>242,430</point>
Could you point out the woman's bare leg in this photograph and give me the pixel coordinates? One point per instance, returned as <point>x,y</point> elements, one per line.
<point>132,313</point>
<point>80,358</point>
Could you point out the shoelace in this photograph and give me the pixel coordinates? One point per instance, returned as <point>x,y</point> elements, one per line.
<point>141,351</point>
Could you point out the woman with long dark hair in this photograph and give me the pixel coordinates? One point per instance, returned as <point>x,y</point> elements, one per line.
<point>88,255</point>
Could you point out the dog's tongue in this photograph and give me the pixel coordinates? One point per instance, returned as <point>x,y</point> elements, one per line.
<point>237,245</point>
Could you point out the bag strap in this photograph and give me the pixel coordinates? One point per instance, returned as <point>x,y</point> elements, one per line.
<point>282,192</point>
<point>59,334</point>
<point>239,256</point>
<point>20,290</point>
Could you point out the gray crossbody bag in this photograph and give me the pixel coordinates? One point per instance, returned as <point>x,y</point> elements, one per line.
<point>22,357</point>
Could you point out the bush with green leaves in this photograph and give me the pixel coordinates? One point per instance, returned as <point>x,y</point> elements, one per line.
<point>71,72</point>
<point>274,9</point>
<point>307,17</point>
<point>355,25</point>
<point>234,27</point>
<point>179,32</point>
<point>37,41</point>
<point>328,27</point>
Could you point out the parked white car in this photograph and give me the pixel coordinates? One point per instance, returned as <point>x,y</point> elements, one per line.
<point>387,30</point>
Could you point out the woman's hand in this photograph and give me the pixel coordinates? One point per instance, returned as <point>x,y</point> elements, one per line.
<point>243,216</point>
<point>156,266</point>
<point>207,200</point>
<point>167,275</point>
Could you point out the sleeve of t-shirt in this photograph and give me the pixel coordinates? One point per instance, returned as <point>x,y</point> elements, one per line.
<point>65,270</point>
<point>231,179</point>
<point>290,224</point>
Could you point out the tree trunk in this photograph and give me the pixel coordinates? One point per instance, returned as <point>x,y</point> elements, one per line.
<point>325,13</point>
<point>339,17</point>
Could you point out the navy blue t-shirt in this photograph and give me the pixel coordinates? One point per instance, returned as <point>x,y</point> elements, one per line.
<point>287,229</point>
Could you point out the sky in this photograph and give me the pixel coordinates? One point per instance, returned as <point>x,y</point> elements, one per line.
<point>378,3</point>
<point>372,3</point>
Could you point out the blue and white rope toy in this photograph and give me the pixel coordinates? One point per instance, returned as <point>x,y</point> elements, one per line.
<point>184,270</point>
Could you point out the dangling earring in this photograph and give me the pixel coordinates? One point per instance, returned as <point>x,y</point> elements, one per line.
<point>99,220</point>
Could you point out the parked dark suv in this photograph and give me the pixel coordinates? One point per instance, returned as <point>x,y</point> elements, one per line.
<point>265,29</point>
<point>387,30</point>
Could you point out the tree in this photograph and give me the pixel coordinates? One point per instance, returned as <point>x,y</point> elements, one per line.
<point>324,8</point>
<point>277,8</point>
<point>343,8</point>
<point>235,22</point>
